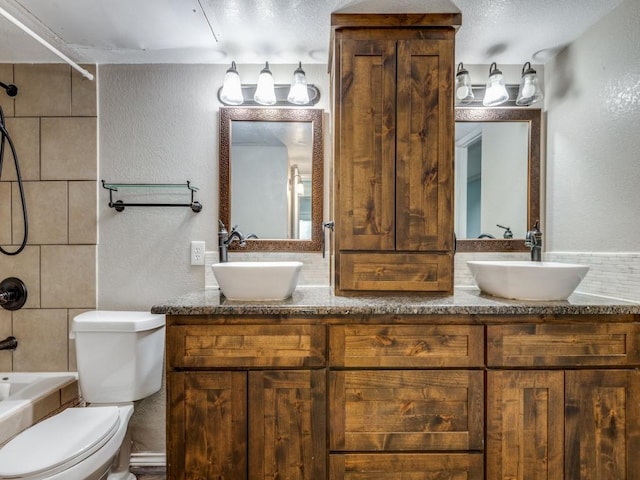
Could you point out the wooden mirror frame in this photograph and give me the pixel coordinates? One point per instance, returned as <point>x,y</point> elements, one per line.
<point>534,118</point>
<point>258,114</point>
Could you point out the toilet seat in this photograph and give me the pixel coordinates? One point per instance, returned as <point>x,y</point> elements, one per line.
<point>58,442</point>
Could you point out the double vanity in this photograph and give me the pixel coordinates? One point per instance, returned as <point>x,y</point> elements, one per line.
<point>319,386</point>
<point>394,373</point>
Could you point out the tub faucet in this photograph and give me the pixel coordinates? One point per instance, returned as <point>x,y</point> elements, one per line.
<point>13,293</point>
<point>225,239</point>
<point>534,240</point>
<point>9,343</point>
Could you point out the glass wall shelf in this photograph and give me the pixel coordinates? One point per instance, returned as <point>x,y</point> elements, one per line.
<point>119,205</point>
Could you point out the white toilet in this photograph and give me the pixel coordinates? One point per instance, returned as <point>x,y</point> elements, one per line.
<point>120,358</point>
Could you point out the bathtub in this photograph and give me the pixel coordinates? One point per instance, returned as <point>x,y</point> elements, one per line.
<point>26,398</point>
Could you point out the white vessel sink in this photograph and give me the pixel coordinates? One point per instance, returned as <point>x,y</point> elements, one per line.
<point>256,281</point>
<point>522,280</point>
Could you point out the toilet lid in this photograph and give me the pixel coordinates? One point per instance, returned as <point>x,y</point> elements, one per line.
<point>68,437</point>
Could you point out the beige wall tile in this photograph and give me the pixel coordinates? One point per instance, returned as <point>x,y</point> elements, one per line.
<point>68,278</point>
<point>47,212</point>
<point>83,93</point>
<point>25,134</point>
<point>25,266</point>
<point>46,406</point>
<point>45,90</point>
<point>42,338</point>
<point>83,213</point>
<point>5,331</point>
<point>6,77</point>
<point>70,394</point>
<point>5,213</point>
<point>69,148</point>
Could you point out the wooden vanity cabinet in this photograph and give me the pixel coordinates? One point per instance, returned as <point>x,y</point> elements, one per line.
<point>246,402</point>
<point>367,397</point>
<point>406,388</point>
<point>571,410</point>
<point>393,155</point>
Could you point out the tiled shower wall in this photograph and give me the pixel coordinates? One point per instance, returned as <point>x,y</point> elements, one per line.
<point>53,124</point>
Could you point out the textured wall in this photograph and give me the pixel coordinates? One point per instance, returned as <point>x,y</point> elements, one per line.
<point>159,123</point>
<point>593,112</point>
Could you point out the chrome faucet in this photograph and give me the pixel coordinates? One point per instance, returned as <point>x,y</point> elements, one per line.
<point>534,240</point>
<point>225,239</point>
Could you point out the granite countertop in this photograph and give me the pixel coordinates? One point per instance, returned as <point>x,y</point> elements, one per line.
<point>322,301</point>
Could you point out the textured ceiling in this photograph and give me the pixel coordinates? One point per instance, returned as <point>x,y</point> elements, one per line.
<point>281,31</point>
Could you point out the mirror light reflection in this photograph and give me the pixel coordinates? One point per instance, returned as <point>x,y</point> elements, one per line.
<point>271,178</point>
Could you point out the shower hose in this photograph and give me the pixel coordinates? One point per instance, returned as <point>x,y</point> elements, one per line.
<point>5,137</point>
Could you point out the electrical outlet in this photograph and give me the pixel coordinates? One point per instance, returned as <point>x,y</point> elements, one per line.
<point>197,253</point>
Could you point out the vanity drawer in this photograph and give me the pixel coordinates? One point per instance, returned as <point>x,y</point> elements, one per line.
<point>548,345</point>
<point>416,466</point>
<point>393,346</point>
<point>400,272</point>
<point>406,410</point>
<point>220,346</point>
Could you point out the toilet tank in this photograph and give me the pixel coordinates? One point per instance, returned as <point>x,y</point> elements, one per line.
<point>119,354</point>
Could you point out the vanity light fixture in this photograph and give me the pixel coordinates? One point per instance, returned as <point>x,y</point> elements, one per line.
<point>530,90</point>
<point>464,91</point>
<point>231,93</point>
<point>298,93</point>
<point>496,91</point>
<point>265,90</point>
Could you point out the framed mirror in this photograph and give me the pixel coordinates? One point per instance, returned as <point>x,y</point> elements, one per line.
<point>271,177</point>
<point>497,157</point>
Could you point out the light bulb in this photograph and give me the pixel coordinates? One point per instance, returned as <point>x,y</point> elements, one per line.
<point>231,93</point>
<point>298,93</point>
<point>265,89</point>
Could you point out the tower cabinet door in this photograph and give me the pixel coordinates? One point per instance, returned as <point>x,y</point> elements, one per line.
<point>287,425</point>
<point>207,435</point>
<point>424,163</point>
<point>365,136</point>
<point>525,418</point>
<point>602,425</point>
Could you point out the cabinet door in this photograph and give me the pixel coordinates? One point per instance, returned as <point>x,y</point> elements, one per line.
<point>405,410</point>
<point>424,163</point>
<point>207,425</point>
<point>365,149</point>
<point>525,418</point>
<point>287,425</point>
<point>602,425</point>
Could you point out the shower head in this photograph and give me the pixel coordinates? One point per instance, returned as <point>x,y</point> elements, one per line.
<point>11,89</point>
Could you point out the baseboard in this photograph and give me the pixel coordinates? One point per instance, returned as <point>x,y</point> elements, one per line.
<point>148,459</point>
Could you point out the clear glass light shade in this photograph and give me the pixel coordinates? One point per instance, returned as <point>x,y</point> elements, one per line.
<point>298,93</point>
<point>464,92</point>
<point>231,93</point>
<point>496,91</point>
<point>265,89</point>
<point>530,90</point>
<point>300,188</point>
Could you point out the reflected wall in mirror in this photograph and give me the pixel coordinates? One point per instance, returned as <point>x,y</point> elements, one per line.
<point>497,166</point>
<point>271,176</point>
